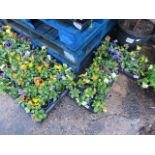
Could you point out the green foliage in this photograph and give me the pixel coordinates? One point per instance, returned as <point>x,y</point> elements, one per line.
<point>39,116</point>
<point>149,79</point>
<point>75,93</point>
<point>35,72</point>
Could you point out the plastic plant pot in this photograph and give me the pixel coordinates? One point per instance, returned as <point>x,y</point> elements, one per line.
<point>131,37</point>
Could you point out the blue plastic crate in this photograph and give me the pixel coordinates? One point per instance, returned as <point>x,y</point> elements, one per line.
<point>71,37</point>
<point>57,49</point>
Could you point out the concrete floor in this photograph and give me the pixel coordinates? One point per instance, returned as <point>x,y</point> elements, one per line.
<point>131,110</point>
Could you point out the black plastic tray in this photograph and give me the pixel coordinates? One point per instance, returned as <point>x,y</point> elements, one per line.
<point>128,74</point>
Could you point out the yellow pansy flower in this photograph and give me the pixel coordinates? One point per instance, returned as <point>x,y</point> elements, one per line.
<point>34,102</point>
<point>7,27</point>
<point>105,109</point>
<point>24,67</point>
<point>18,57</point>
<point>142,73</point>
<point>97,69</point>
<point>94,64</point>
<point>107,38</point>
<point>99,80</point>
<point>65,66</point>
<point>12,53</point>
<point>142,59</point>
<point>14,75</point>
<point>11,35</point>
<point>85,81</point>
<point>86,90</point>
<point>39,69</point>
<point>20,63</point>
<point>99,58</point>
<point>94,77</point>
<point>133,54</point>
<point>3,43</point>
<point>109,77</point>
<point>138,48</point>
<point>3,33</point>
<point>21,82</point>
<point>53,77</point>
<point>58,67</point>
<point>38,81</point>
<point>47,65</point>
<point>30,65</point>
<point>83,75</point>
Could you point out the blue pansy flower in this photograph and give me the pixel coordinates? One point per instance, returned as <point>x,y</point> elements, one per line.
<point>7,43</point>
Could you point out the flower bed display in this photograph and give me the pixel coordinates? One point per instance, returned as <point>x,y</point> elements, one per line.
<point>92,87</point>
<point>31,75</point>
<point>38,81</point>
<point>133,63</point>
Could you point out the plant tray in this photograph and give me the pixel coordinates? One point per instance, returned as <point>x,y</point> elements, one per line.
<point>51,104</point>
<point>128,74</point>
<point>89,106</point>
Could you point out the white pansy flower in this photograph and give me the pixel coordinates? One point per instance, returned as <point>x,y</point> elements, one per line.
<point>68,69</point>
<point>133,59</point>
<point>8,31</point>
<point>146,60</point>
<point>77,100</point>
<point>49,57</point>
<point>2,67</point>
<point>13,68</point>
<point>113,75</point>
<point>63,77</point>
<point>136,76</point>
<point>43,47</point>
<point>106,80</point>
<point>150,67</point>
<point>84,103</point>
<point>27,53</point>
<point>144,85</point>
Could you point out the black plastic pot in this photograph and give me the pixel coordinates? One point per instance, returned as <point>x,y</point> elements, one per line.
<point>125,36</point>
<point>130,75</point>
<point>52,104</point>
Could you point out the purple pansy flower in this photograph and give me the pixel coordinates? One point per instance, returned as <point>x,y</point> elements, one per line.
<point>52,87</point>
<point>57,75</point>
<point>2,75</point>
<point>25,37</point>
<point>20,92</point>
<point>62,80</point>
<point>7,43</point>
<point>111,52</point>
<point>103,67</point>
<point>114,42</point>
<point>109,72</point>
<point>116,52</point>
<point>118,58</point>
<point>33,47</point>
